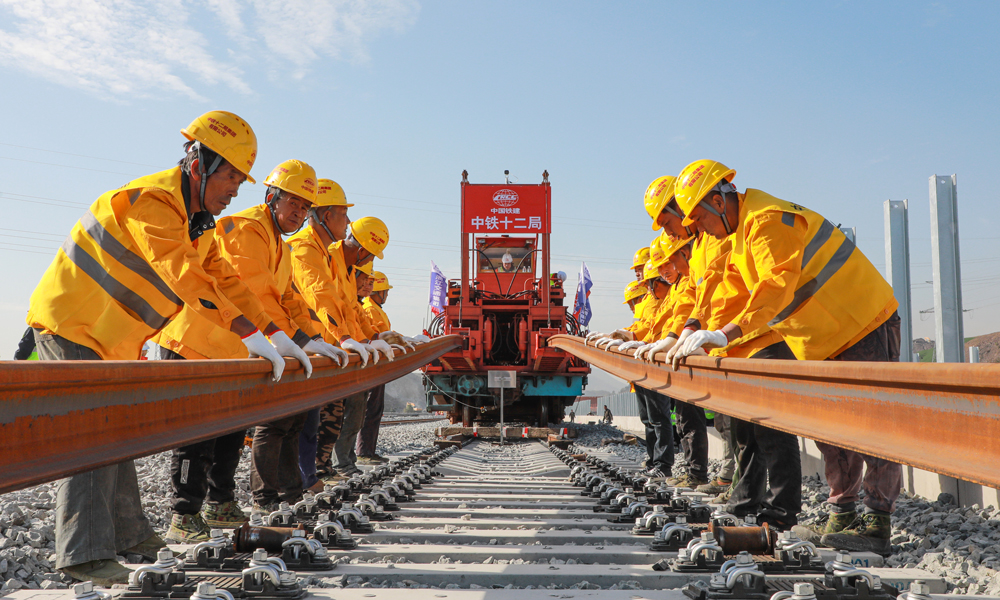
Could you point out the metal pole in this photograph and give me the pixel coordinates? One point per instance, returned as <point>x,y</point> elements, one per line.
<point>949,345</point>
<point>897,270</point>
<point>973,354</point>
<point>851,233</point>
<point>501,416</point>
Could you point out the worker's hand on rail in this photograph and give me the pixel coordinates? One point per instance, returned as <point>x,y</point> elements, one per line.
<point>672,357</point>
<point>661,346</point>
<point>286,347</point>
<point>637,351</point>
<point>420,339</point>
<point>398,347</point>
<point>258,346</point>
<point>352,345</point>
<point>612,343</point>
<point>383,347</point>
<point>329,350</point>
<point>593,336</point>
<point>700,340</point>
<point>630,345</point>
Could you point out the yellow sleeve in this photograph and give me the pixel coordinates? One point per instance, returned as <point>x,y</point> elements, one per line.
<point>247,248</point>
<point>234,288</point>
<point>683,305</point>
<point>313,278</point>
<point>298,310</point>
<point>160,234</point>
<point>376,315</point>
<point>664,312</point>
<point>776,251</point>
<point>365,325</point>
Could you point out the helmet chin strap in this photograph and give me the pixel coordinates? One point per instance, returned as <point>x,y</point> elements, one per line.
<point>271,201</point>
<point>205,173</point>
<point>315,215</point>
<point>723,188</point>
<point>677,214</point>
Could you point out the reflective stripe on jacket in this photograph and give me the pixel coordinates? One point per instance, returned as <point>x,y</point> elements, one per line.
<point>806,280</point>
<point>129,266</point>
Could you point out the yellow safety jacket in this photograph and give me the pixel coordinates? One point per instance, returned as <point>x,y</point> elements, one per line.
<point>129,266</point>
<point>378,317</point>
<point>365,321</point>
<point>320,275</point>
<point>640,306</point>
<point>641,329</point>
<point>805,279</point>
<point>684,296</point>
<point>728,300</point>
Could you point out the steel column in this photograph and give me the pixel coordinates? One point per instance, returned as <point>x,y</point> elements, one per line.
<point>941,418</point>
<point>897,269</point>
<point>949,341</point>
<point>58,418</point>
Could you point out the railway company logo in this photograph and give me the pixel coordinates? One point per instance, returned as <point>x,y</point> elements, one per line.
<point>505,198</point>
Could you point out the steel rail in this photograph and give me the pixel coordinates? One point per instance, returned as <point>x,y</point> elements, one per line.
<point>943,418</point>
<point>63,417</point>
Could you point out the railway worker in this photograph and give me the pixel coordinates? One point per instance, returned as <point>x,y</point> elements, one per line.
<point>375,406</point>
<point>323,271</point>
<point>251,242</point>
<point>328,216</point>
<point>635,293</point>
<point>796,265</point>
<point>139,255</point>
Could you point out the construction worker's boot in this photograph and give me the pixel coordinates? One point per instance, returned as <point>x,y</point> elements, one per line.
<point>714,487</point>
<point>868,533</point>
<point>187,529</point>
<point>101,572</point>
<point>223,515</point>
<point>147,548</point>
<point>835,523</point>
<point>686,480</point>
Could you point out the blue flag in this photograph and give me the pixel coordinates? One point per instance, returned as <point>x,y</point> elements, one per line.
<point>439,290</point>
<point>581,306</point>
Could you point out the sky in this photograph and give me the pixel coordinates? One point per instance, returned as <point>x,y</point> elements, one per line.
<point>837,106</point>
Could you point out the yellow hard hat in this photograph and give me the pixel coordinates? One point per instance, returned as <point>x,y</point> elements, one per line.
<point>331,194</point>
<point>696,180</point>
<point>381,282</point>
<point>634,290</point>
<point>371,233</point>
<point>228,136</point>
<point>640,258</point>
<point>295,177</point>
<point>365,268</point>
<point>664,248</point>
<point>658,195</point>
<point>649,272</point>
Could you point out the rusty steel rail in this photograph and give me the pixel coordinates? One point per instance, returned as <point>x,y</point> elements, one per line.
<point>64,417</point>
<point>943,418</point>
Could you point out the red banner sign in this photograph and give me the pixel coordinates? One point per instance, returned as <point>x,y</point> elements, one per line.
<point>506,208</point>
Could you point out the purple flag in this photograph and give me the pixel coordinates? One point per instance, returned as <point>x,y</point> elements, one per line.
<point>581,306</point>
<point>439,290</point>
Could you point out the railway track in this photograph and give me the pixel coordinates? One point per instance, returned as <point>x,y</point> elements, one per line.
<point>410,421</point>
<point>497,522</point>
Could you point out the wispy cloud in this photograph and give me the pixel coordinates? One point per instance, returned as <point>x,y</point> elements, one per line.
<point>138,48</point>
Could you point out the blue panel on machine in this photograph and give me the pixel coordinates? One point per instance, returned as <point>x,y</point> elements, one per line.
<point>554,386</point>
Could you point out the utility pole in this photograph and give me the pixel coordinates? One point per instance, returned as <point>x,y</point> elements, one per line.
<point>949,343</point>
<point>897,269</point>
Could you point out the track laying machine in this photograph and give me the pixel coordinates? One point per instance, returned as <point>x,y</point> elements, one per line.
<point>505,305</point>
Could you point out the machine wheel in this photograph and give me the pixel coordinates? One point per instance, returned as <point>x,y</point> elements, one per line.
<point>466,416</point>
<point>543,410</point>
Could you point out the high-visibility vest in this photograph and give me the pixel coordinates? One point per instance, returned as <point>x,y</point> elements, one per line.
<point>837,297</point>
<point>129,266</point>
<point>320,274</point>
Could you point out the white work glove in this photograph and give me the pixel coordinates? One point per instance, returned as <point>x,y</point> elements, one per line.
<point>383,347</point>
<point>672,357</point>
<point>630,345</point>
<point>660,346</point>
<point>593,336</point>
<point>352,345</point>
<point>286,347</point>
<point>639,350</point>
<point>398,347</point>
<point>607,341</point>
<point>324,349</point>
<point>419,339</point>
<point>258,346</point>
<point>701,339</point>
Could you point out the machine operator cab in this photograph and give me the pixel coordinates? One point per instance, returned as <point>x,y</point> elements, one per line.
<point>505,266</point>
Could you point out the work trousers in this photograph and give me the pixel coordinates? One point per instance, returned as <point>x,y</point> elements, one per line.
<point>307,449</point>
<point>882,479</point>
<point>654,412</point>
<point>374,408</point>
<point>331,420</point>
<point>344,456</point>
<point>770,466</point>
<point>274,472</point>
<point>205,469</point>
<point>693,430</point>
<point>98,513</point>
<point>723,424</point>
